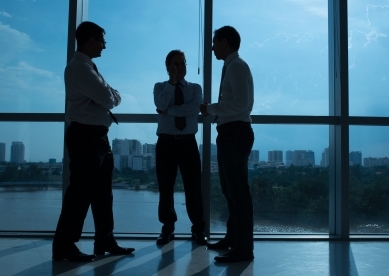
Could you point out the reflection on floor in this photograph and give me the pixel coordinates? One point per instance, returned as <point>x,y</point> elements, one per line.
<point>22,256</point>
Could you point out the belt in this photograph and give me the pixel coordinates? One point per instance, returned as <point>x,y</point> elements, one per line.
<point>92,127</point>
<point>233,125</point>
<point>177,136</point>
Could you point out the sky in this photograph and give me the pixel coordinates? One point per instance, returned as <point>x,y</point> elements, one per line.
<point>285,43</point>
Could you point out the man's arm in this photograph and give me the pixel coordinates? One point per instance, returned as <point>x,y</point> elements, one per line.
<point>92,85</point>
<point>163,93</point>
<point>191,108</point>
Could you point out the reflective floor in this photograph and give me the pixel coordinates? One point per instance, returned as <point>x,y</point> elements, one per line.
<point>27,256</point>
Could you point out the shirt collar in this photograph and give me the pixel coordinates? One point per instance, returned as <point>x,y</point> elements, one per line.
<point>83,57</point>
<point>230,58</point>
<point>183,82</point>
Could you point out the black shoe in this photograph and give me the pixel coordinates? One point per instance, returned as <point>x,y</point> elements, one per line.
<point>71,253</point>
<point>236,256</point>
<point>165,238</point>
<point>200,238</point>
<point>222,244</point>
<point>111,246</point>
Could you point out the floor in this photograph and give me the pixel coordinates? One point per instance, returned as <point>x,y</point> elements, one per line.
<point>32,256</point>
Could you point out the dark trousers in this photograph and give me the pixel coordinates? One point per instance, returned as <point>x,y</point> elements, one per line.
<point>172,154</point>
<point>234,143</point>
<point>91,165</point>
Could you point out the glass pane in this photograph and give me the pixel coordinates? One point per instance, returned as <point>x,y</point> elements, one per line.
<point>30,176</point>
<point>285,43</point>
<point>139,35</point>
<point>369,180</point>
<point>288,178</point>
<point>368,30</point>
<point>135,187</point>
<point>33,39</point>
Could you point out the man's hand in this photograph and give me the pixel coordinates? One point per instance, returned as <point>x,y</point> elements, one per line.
<point>203,109</point>
<point>172,74</point>
<point>161,111</point>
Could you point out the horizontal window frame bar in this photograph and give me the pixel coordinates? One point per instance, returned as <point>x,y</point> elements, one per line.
<point>256,119</point>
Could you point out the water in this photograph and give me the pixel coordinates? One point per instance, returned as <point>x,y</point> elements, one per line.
<point>24,209</point>
<point>134,211</point>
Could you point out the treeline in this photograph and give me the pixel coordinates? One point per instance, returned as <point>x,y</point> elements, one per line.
<point>301,195</point>
<point>30,172</point>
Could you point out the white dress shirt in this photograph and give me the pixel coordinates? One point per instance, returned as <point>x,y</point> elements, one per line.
<point>237,92</point>
<point>164,100</point>
<point>89,97</point>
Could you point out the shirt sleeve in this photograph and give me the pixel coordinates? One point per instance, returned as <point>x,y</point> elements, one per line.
<point>91,84</point>
<point>236,94</point>
<point>191,107</point>
<point>163,93</point>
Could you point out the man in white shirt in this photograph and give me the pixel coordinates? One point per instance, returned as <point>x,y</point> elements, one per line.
<point>177,102</point>
<point>234,142</point>
<point>89,100</point>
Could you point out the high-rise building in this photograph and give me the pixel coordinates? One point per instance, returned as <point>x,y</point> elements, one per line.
<point>325,158</point>
<point>2,152</point>
<point>299,158</point>
<point>254,156</point>
<point>289,158</point>
<point>17,152</point>
<point>310,157</point>
<point>355,158</point>
<point>149,149</point>
<point>275,156</point>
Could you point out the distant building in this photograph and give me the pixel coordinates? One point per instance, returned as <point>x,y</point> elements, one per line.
<point>325,158</point>
<point>17,152</point>
<point>254,156</point>
<point>355,158</point>
<point>310,157</point>
<point>148,149</point>
<point>52,161</point>
<point>275,156</point>
<point>289,158</point>
<point>304,158</point>
<point>2,152</point>
<point>375,162</point>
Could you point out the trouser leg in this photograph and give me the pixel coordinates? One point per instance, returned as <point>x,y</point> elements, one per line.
<point>166,169</point>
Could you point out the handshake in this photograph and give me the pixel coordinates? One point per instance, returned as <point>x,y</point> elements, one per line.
<point>203,109</point>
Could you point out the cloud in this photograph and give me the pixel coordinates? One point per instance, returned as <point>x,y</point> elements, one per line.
<point>318,8</point>
<point>5,14</point>
<point>27,77</point>
<point>13,43</point>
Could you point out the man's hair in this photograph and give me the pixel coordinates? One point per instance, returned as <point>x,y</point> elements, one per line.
<point>230,34</point>
<point>87,30</point>
<point>170,56</point>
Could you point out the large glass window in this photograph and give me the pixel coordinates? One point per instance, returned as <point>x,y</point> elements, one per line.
<point>33,38</point>
<point>30,175</point>
<point>368,31</point>
<point>369,180</point>
<point>139,35</point>
<point>285,44</point>
<point>288,175</point>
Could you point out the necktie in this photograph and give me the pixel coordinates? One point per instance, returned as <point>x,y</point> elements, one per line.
<point>220,89</point>
<point>180,122</point>
<point>110,113</point>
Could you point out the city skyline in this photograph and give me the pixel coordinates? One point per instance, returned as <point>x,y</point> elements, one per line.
<point>134,148</point>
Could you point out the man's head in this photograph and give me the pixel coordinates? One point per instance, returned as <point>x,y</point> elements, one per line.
<point>226,40</point>
<point>90,39</point>
<point>176,65</point>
